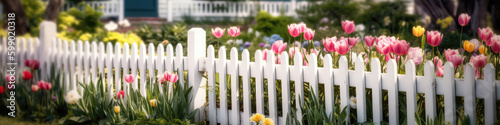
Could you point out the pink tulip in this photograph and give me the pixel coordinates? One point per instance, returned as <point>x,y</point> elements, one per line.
<point>173,78</point>
<point>476,44</point>
<point>479,61</point>
<point>218,32</point>
<point>477,74</point>
<point>34,88</point>
<point>233,31</point>
<point>463,19</point>
<point>434,38</point>
<point>302,27</point>
<point>277,59</point>
<point>166,76</point>
<point>309,34</point>
<point>294,30</point>
<point>264,54</point>
<point>315,51</point>
<point>329,43</point>
<point>278,46</point>
<point>485,34</point>
<point>353,41</point>
<point>400,47</point>
<point>369,40</point>
<point>129,78</point>
<point>294,50</point>
<point>415,53</point>
<point>348,26</point>
<point>44,85</point>
<point>383,46</point>
<point>456,59</point>
<point>342,47</point>
<point>8,78</point>
<point>495,43</point>
<point>450,52</point>
<point>439,65</point>
<point>120,94</point>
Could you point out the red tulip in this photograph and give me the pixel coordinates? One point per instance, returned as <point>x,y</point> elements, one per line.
<point>485,34</point>
<point>400,47</point>
<point>434,38</point>
<point>369,40</point>
<point>27,75</point>
<point>463,19</point>
<point>120,94</point>
<point>479,61</point>
<point>348,26</point>
<point>218,32</point>
<point>309,34</point>
<point>233,31</point>
<point>2,90</point>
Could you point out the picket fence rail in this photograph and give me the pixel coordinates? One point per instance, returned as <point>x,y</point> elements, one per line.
<point>82,61</point>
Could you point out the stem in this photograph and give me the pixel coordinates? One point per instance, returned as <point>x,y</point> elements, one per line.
<point>461,39</point>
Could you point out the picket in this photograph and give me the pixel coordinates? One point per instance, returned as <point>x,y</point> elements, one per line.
<point>85,61</point>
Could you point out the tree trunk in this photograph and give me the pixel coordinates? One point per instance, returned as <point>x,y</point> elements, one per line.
<point>14,6</point>
<point>52,11</point>
<point>437,9</point>
<point>477,9</point>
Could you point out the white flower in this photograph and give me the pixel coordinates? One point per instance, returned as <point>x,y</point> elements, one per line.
<point>250,30</point>
<point>360,27</point>
<point>257,33</point>
<point>124,23</point>
<point>353,102</point>
<point>229,41</point>
<point>239,41</point>
<point>111,26</point>
<point>72,97</point>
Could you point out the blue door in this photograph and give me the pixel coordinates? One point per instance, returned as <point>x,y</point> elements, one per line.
<point>141,8</point>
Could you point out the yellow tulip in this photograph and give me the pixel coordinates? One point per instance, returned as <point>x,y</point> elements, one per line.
<point>469,47</point>
<point>257,118</point>
<point>268,121</point>
<point>482,49</point>
<point>418,31</point>
<point>153,101</point>
<point>117,109</point>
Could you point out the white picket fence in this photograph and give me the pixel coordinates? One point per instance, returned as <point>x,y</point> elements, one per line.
<point>83,61</point>
<point>111,8</point>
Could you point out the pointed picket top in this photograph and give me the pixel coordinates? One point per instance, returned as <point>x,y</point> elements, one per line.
<point>430,89</point>
<point>258,73</point>
<point>469,92</point>
<point>233,66</point>
<point>86,63</point>
<point>488,89</point>
<point>94,62</point>
<point>341,78</point>
<point>212,99</point>
<point>360,88</point>
<point>21,52</point>
<point>117,66</point>
<point>169,59</point>
<point>270,75</point>
<point>311,74</point>
<point>284,76</point>
<point>374,78</point>
<point>179,63</point>
<point>392,83</point>
<point>72,65</point>
<point>160,63</point>
<point>142,69</point>
<point>133,60</point>
<point>410,83</point>
<point>151,61</point>
<point>297,75</point>
<point>59,50</point>
<point>326,77</point>
<point>221,69</point>
<point>102,59</point>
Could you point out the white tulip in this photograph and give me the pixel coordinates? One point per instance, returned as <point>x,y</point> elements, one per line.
<point>72,97</point>
<point>353,102</point>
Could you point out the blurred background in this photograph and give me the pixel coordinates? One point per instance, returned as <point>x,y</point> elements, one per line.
<point>262,22</point>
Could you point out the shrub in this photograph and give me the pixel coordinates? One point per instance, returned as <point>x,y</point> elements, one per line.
<point>268,25</point>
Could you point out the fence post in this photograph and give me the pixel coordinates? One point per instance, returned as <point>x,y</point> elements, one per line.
<point>121,10</point>
<point>196,50</point>
<point>48,31</point>
<point>169,11</point>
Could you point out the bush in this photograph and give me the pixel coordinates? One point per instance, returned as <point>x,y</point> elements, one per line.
<point>334,10</point>
<point>34,9</point>
<point>268,25</point>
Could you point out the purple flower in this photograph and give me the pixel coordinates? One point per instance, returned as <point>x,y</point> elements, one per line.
<point>305,44</point>
<point>324,20</point>
<point>267,45</point>
<point>262,44</point>
<point>316,43</point>
<point>247,44</point>
<point>54,97</point>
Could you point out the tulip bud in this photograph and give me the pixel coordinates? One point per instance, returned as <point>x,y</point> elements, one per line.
<point>482,49</point>
<point>153,102</point>
<point>117,109</point>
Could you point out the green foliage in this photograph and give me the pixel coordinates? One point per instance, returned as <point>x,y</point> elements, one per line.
<point>174,105</point>
<point>334,10</point>
<point>88,19</point>
<point>176,33</point>
<point>268,24</point>
<point>34,9</point>
<point>386,18</point>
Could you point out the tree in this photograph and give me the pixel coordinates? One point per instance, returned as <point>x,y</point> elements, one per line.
<point>14,6</point>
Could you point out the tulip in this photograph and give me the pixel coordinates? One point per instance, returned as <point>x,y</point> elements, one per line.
<point>166,76</point>
<point>34,88</point>
<point>485,34</point>
<point>9,78</point>
<point>469,47</point>
<point>309,34</point>
<point>439,64</point>
<point>120,94</point>
<point>27,75</point>
<point>233,31</point>
<point>483,49</point>
<point>369,40</point>
<point>2,90</point>
<point>329,43</point>
<point>129,78</point>
<point>418,31</point>
<point>456,59</point>
<point>161,78</point>
<point>117,109</point>
<point>348,26</point>
<point>302,27</point>
<point>278,47</point>
<point>44,85</point>
<point>315,51</point>
<point>383,46</point>
<point>294,30</point>
<point>463,19</point>
<point>476,44</point>
<point>495,44</point>
<point>27,62</point>
<point>152,102</point>
<point>450,52</point>
<point>400,47</point>
<point>434,38</point>
<point>342,47</point>
<point>72,97</point>
<point>257,118</point>
<point>264,54</point>
<point>479,61</point>
<point>294,50</point>
<point>415,53</point>
<point>268,121</point>
<point>34,64</point>
<point>173,78</point>
<point>353,41</point>
<point>277,59</point>
<point>218,32</point>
